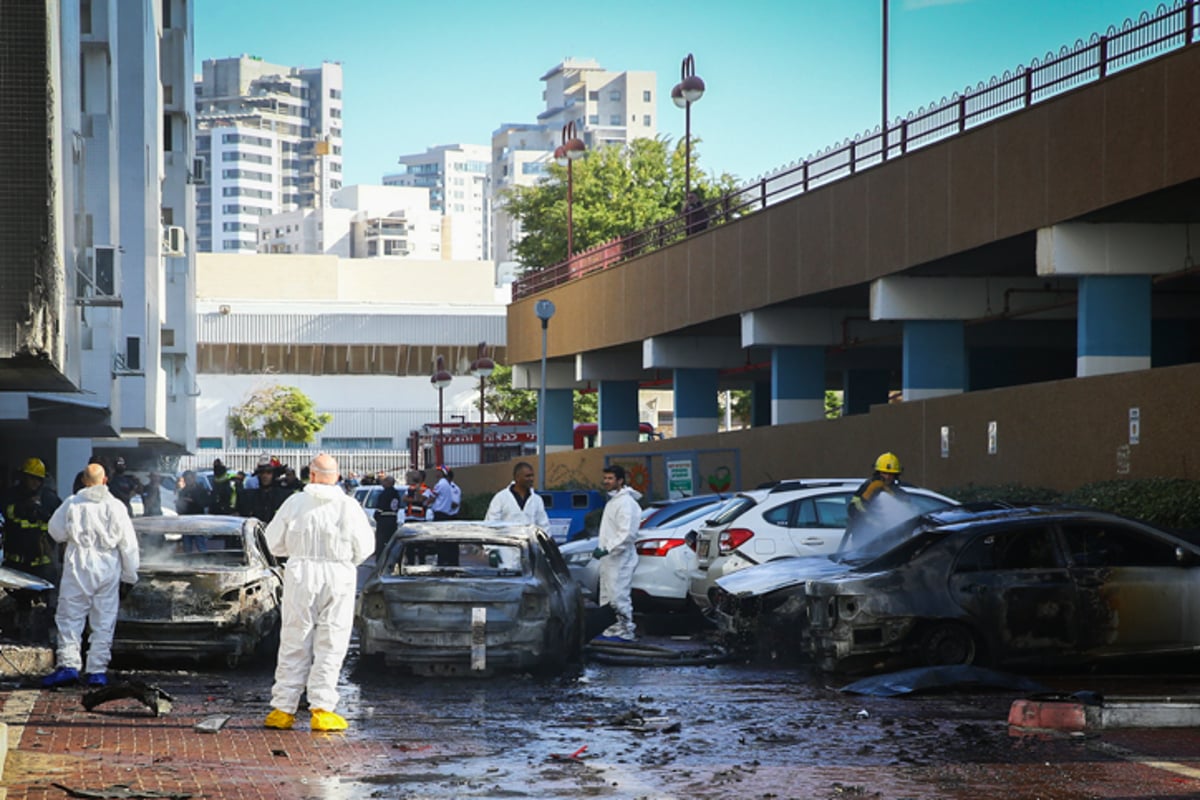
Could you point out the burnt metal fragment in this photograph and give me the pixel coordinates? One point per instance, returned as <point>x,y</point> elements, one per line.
<point>154,698</point>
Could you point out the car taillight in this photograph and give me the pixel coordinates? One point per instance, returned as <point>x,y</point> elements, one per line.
<point>658,547</point>
<point>732,539</point>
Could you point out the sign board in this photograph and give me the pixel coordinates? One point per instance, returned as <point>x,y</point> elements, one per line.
<point>679,479</point>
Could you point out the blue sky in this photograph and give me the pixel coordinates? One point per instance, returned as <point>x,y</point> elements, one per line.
<point>785,78</point>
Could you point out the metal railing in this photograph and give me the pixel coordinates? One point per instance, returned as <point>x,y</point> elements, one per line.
<point>1169,28</point>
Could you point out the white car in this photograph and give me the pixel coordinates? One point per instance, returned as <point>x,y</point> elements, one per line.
<point>789,518</point>
<point>368,498</point>
<point>666,562</point>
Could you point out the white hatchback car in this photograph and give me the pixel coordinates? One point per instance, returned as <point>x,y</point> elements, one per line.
<point>788,518</point>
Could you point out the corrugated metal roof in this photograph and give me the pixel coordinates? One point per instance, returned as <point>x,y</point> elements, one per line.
<point>406,329</point>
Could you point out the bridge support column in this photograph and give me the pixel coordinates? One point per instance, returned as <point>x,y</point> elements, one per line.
<point>560,420</point>
<point>863,388</point>
<point>618,412</point>
<point>696,410</point>
<point>935,359</point>
<point>797,384</point>
<point>1114,324</point>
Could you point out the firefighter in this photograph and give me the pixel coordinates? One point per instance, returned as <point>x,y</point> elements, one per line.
<point>27,545</point>
<point>885,480</point>
<point>224,494</point>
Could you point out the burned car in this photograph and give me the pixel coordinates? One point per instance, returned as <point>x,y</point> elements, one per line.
<point>1031,586</point>
<point>207,587</point>
<point>471,598</point>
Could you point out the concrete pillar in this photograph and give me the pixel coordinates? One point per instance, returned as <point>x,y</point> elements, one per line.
<point>71,455</point>
<point>618,412</point>
<point>1114,324</point>
<point>797,384</point>
<point>560,420</point>
<point>863,388</point>
<point>696,410</point>
<point>935,362</point>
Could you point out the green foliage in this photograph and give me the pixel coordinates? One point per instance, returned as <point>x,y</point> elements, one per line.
<point>277,412</point>
<point>833,404</point>
<point>742,406</point>
<point>1172,503</point>
<point>520,405</point>
<point>474,506</point>
<point>1165,502</point>
<point>616,191</point>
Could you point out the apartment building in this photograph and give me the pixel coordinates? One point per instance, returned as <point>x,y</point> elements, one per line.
<point>97,285</point>
<point>360,222</point>
<point>268,140</point>
<point>607,108</point>
<point>459,183</point>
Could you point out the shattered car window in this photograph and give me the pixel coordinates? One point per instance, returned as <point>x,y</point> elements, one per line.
<point>1020,548</point>
<point>1105,545</point>
<point>454,559</point>
<point>159,549</point>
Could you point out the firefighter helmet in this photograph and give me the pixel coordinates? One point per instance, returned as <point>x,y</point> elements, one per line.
<point>34,467</point>
<point>888,463</point>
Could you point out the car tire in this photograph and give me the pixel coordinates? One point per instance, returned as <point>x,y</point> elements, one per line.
<point>949,643</point>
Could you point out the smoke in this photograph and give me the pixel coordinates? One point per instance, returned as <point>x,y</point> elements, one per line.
<point>882,526</point>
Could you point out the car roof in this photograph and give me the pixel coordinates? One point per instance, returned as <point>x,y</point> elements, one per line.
<point>184,523</point>
<point>468,529</point>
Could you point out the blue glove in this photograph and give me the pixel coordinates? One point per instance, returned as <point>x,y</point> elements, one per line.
<point>599,552</point>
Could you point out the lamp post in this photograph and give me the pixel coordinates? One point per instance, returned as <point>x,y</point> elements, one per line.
<point>689,89</point>
<point>481,367</point>
<point>440,380</point>
<point>544,310</point>
<point>571,149</point>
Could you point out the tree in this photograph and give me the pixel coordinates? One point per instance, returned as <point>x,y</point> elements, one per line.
<point>520,405</point>
<point>617,191</point>
<point>277,412</point>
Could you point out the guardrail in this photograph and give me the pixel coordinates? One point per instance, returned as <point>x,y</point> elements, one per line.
<point>1151,36</point>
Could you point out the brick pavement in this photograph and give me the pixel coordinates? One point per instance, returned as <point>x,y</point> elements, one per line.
<point>122,743</point>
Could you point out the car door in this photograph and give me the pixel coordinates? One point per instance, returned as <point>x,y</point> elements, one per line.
<point>1013,584</point>
<point>811,526</point>
<point>1136,595</point>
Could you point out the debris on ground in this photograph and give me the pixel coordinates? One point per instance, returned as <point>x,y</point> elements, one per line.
<point>924,679</point>
<point>212,724</point>
<point>641,653</point>
<point>152,697</point>
<point>634,721</point>
<point>572,757</point>
<point>121,791</point>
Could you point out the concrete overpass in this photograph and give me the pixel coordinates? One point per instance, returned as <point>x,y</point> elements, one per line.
<point>1048,235</point>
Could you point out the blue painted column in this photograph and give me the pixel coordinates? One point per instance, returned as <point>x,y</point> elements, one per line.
<point>863,388</point>
<point>560,420</point>
<point>696,411</point>
<point>618,412</point>
<point>1114,324</point>
<point>797,384</point>
<point>935,359</point>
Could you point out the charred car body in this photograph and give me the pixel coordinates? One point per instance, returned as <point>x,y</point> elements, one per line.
<point>471,598</point>
<point>1034,586</point>
<point>207,588</point>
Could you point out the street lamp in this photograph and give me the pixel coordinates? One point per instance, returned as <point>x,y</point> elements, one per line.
<point>440,380</point>
<point>689,89</point>
<point>544,310</point>
<point>481,367</point>
<point>571,149</point>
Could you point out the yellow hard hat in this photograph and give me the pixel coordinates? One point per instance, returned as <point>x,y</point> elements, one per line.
<point>888,463</point>
<point>34,467</point>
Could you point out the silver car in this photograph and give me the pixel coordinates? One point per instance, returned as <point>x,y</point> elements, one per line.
<point>471,598</point>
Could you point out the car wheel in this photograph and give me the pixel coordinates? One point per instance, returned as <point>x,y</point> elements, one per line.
<point>947,643</point>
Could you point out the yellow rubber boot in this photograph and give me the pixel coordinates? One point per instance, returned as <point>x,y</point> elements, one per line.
<point>280,720</point>
<point>328,721</point>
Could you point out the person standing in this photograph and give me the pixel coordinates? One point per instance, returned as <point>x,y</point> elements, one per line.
<point>224,493</point>
<point>122,485</point>
<point>447,497</point>
<point>885,480</point>
<point>518,502</point>
<point>417,497</point>
<point>324,535</point>
<point>696,213</point>
<point>27,509</point>
<point>101,555</point>
<point>386,510</point>
<point>617,553</point>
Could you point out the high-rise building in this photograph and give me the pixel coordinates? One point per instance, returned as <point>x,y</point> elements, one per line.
<point>97,283</point>
<point>607,108</point>
<point>459,183</point>
<point>270,138</point>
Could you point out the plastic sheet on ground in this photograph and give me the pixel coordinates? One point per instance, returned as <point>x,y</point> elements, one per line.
<point>940,678</point>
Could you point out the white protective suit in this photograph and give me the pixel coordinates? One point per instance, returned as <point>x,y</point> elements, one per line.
<point>618,535</point>
<point>102,552</point>
<point>324,535</point>
<point>504,508</point>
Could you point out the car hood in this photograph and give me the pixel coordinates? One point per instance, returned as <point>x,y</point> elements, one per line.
<point>15,579</point>
<point>779,574</point>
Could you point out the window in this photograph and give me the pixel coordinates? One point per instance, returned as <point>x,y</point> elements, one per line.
<point>1099,544</point>
<point>1029,547</point>
<point>646,120</point>
<point>593,119</point>
<point>210,443</point>
<point>593,95</point>
<point>646,96</point>
<point>336,94</point>
<point>615,94</point>
<point>615,119</point>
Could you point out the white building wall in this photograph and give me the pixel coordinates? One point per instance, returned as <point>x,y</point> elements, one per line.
<point>458,177</point>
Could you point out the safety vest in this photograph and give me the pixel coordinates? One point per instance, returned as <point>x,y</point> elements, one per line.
<point>27,543</point>
<point>219,485</point>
